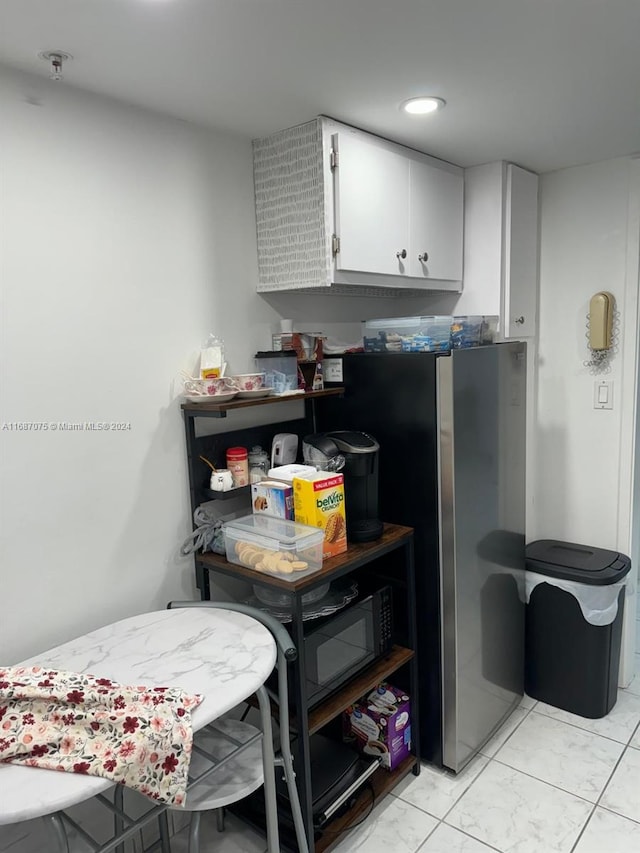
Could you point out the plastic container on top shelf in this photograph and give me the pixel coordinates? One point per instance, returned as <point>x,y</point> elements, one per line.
<point>274,546</point>
<point>408,334</point>
<point>473,330</point>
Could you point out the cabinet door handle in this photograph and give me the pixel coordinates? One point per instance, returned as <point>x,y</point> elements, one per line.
<point>402,254</point>
<point>424,257</point>
<point>520,320</point>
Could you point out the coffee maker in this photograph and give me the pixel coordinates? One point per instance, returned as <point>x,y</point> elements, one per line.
<point>356,454</point>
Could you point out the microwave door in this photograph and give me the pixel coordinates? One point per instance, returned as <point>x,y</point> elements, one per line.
<point>338,649</point>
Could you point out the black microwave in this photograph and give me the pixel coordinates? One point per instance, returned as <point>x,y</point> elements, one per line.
<point>338,647</point>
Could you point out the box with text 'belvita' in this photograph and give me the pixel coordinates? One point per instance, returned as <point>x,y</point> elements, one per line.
<point>318,500</point>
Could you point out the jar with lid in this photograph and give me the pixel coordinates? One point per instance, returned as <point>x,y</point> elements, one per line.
<point>238,464</point>
<point>258,464</point>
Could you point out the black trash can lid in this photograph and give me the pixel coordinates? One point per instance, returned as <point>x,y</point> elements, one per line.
<point>581,563</point>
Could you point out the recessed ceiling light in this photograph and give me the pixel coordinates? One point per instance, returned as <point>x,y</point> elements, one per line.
<point>422,106</point>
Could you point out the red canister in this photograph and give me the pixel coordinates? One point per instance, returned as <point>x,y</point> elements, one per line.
<point>238,464</point>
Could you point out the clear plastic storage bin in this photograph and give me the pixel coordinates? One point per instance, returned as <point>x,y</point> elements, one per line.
<point>473,330</point>
<point>408,334</point>
<point>280,370</point>
<point>275,546</point>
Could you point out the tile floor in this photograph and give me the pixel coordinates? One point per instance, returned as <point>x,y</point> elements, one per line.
<point>548,782</point>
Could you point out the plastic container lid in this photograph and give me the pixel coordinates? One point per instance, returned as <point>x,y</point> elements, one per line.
<point>289,534</point>
<point>277,353</point>
<point>581,563</point>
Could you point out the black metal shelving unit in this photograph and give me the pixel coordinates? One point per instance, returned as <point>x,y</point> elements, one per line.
<point>389,559</point>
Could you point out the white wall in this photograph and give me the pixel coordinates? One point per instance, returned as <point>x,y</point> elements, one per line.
<point>590,233</point>
<point>584,219</point>
<point>126,237</point>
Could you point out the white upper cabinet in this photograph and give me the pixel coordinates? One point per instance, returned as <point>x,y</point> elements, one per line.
<point>339,208</point>
<point>371,206</point>
<point>501,247</point>
<point>435,218</point>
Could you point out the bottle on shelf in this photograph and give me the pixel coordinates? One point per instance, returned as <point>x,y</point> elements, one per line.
<point>258,464</point>
<point>238,464</point>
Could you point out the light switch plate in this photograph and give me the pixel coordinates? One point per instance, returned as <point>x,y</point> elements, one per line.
<point>603,394</point>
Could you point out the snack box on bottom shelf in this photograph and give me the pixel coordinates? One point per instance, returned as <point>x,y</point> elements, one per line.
<point>408,334</point>
<point>380,724</point>
<point>274,546</point>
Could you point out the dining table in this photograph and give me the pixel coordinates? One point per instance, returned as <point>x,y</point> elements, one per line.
<point>222,655</point>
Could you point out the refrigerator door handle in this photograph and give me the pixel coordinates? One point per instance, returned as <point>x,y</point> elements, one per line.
<point>447,540</point>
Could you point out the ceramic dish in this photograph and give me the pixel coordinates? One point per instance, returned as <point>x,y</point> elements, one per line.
<point>211,398</point>
<point>274,598</point>
<point>331,603</point>
<point>255,394</point>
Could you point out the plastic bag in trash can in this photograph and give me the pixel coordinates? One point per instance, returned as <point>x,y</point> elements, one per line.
<point>599,604</point>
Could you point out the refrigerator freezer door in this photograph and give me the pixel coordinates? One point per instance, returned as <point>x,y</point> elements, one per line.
<point>481,461</point>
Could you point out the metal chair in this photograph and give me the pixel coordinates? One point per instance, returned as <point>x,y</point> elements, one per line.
<point>233,746</point>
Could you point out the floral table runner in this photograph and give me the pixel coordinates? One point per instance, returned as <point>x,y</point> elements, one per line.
<point>139,736</point>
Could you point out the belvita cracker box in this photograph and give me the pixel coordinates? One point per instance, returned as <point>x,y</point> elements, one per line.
<point>318,500</point>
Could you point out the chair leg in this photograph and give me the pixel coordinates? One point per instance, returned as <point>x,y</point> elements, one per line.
<point>59,832</point>
<point>220,819</point>
<point>268,766</point>
<point>194,833</point>
<point>294,801</point>
<point>163,825</point>
<point>118,822</point>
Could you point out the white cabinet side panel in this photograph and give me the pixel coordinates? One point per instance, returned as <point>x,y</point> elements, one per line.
<point>293,244</point>
<point>521,253</point>
<point>483,218</point>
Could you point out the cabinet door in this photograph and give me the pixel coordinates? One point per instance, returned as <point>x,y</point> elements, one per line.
<point>520,253</point>
<point>435,219</point>
<point>371,196</point>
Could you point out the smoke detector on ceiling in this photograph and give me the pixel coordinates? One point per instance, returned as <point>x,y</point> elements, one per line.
<point>56,58</point>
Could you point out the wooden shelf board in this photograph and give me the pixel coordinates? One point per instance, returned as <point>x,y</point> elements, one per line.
<point>219,410</point>
<point>354,690</point>
<point>356,555</point>
<point>383,781</point>
<point>358,687</point>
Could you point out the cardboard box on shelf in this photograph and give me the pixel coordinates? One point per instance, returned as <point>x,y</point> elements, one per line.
<point>272,498</point>
<point>318,500</point>
<point>307,345</point>
<point>380,724</point>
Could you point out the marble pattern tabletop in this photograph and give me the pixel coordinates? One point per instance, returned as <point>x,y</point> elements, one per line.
<point>222,655</point>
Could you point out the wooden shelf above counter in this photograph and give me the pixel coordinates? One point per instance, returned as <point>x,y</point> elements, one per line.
<point>219,410</point>
<point>356,555</point>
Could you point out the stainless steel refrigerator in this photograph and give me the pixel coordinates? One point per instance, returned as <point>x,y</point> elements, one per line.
<point>451,429</point>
